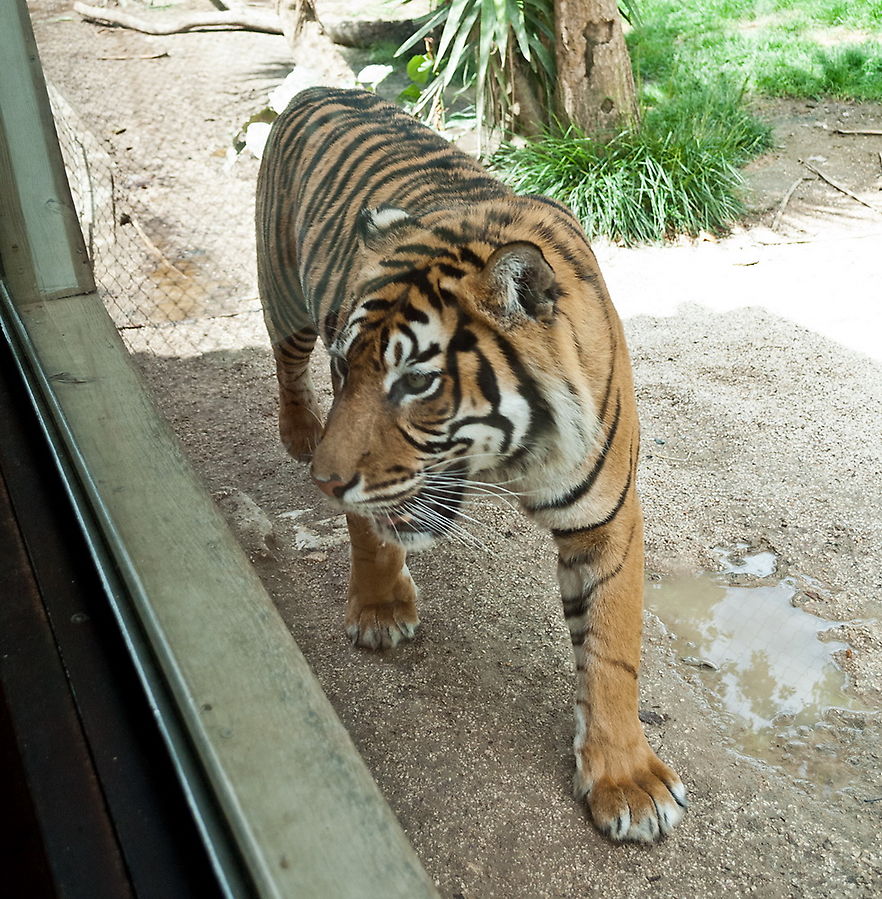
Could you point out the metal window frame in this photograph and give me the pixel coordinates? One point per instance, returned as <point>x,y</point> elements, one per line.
<point>245,721</point>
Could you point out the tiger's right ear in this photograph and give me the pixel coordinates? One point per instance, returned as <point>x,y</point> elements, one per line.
<point>374,225</point>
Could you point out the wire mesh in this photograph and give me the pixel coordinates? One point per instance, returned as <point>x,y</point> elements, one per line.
<point>167,285</point>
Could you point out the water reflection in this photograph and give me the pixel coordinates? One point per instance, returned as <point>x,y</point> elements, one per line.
<point>771,658</point>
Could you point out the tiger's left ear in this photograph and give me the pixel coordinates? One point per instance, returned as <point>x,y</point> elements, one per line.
<point>521,280</point>
<point>375,224</point>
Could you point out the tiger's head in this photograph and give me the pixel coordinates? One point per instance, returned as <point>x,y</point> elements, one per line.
<point>437,362</point>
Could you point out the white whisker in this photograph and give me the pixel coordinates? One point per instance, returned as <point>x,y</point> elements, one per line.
<point>468,492</point>
<point>445,525</point>
<point>436,502</point>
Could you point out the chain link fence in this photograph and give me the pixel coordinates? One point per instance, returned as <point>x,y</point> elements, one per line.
<point>168,286</point>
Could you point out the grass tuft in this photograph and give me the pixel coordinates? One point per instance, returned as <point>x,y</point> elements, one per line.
<point>675,173</point>
<point>850,71</point>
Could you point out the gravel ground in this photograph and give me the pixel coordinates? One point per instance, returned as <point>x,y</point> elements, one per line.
<point>757,363</point>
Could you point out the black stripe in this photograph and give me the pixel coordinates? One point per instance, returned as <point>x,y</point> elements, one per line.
<point>423,249</point>
<point>429,449</point>
<point>619,663</point>
<point>359,194</point>
<point>541,417</point>
<point>574,606</point>
<point>450,270</point>
<point>431,350</point>
<point>466,255</point>
<point>487,382</point>
<point>426,430</point>
<point>491,420</point>
<point>412,314</point>
<point>358,151</point>
<point>569,532</point>
<point>577,492</point>
<point>578,639</point>
<point>370,305</point>
<point>448,236</point>
<point>578,606</point>
<point>607,393</point>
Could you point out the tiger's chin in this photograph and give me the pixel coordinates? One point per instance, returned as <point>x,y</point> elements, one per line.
<point>411,540</point>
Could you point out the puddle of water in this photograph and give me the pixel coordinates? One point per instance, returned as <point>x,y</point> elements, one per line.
<point>769,662</point>
<point>736,561</point>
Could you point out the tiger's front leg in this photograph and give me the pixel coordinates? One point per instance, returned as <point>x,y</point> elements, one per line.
<point>631,794</point>
<point>381,609</point>
<point>300,424</point>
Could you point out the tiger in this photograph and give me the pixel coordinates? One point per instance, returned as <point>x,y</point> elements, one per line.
<point>471,339</point>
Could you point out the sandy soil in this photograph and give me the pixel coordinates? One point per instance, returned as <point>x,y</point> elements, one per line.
<point>757,361</point>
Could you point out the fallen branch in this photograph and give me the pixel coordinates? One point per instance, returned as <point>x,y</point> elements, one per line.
<point>247,19</point>
<point>174,324</point>
<point>873,131</point>
<point>143,56</point>
<point>803,240</point>
<point>839,187</point>
<point>232,15</point>
<point>776,221</point>
<point>361,33</point>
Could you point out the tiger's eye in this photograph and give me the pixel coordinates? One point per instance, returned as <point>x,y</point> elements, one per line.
<point>418,381</point>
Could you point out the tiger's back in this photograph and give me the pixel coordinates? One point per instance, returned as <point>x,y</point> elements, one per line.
<point>332,154</point>
<point>471,339</point>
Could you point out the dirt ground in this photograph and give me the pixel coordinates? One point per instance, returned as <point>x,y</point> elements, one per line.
<point>758,363</point>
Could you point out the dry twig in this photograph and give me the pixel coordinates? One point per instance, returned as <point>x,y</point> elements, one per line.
<point>153,248</point>
<point>873,131</point>
<point>143,56</point>
<point>249,19</point>
<point>784,202</point>
<point>839,187</point>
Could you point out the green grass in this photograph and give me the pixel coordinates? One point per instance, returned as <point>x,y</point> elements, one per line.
<point>805,48</point>
<point>695,61</point>
<point>678,172</point>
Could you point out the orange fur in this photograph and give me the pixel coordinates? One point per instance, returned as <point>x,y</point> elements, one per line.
<point>472,339</point>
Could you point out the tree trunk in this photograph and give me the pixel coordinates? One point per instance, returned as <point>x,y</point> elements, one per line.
<point>295,16</point>
<point>595,83</point>
<point>528,111</point>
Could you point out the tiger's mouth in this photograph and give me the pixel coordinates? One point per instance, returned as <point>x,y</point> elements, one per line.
<point>424,518</point>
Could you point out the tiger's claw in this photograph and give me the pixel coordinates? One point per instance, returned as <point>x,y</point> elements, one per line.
<point>384,619</point>
<point>384,626</point>
<point>641,808</point>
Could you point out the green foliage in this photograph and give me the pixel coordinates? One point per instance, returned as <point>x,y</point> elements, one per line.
<point>419,71</point>
<point>677,172</point>
<point>482,44</point>
<point>776,47</point>
<point>850,71</point>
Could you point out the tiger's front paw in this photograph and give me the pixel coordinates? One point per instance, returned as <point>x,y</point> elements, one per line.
<point>640,800</point>
<point>382,622</point>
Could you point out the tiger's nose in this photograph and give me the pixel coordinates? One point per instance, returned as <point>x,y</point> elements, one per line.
<point>330,485</point>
